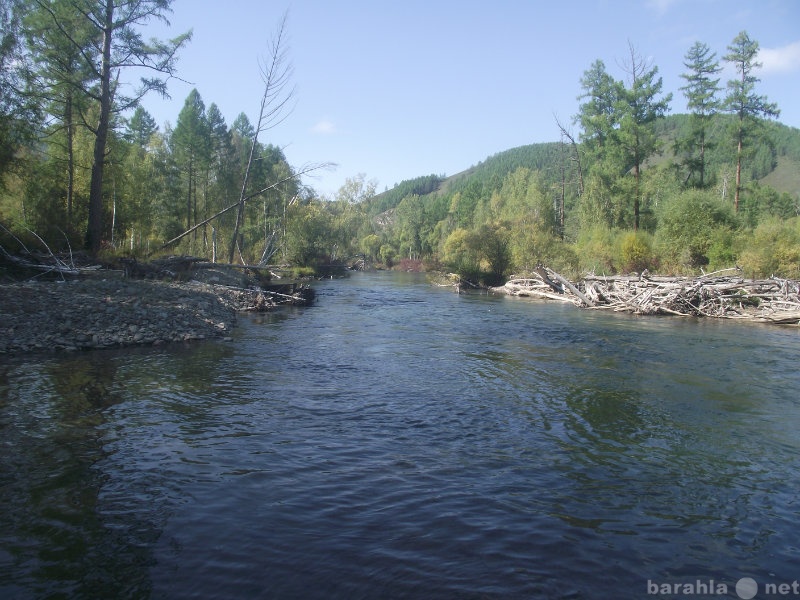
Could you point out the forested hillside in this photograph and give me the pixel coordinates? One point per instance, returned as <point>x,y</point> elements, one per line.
<point>83,165</point>
<point>539,176</point>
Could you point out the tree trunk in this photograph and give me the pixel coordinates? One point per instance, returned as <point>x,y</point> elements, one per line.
<point>738,174</point>
<point>70,158</point>
<point>94,232</point>
<point>636,174</point>
<point>703,158</point>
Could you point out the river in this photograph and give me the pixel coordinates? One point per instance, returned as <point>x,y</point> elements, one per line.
<point>399,440</point>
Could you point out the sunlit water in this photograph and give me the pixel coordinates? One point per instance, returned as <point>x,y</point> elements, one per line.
<point>398,440</point>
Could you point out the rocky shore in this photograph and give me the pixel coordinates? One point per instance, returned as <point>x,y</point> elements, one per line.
<point>96,312</point>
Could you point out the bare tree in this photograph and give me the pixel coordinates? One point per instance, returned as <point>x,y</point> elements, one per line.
<point>276,72</point>
<point>576,156</point>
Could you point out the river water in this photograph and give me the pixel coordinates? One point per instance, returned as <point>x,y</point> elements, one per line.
<point>399,440</point>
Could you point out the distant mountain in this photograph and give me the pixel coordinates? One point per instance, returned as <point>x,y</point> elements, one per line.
<point>774,162</point>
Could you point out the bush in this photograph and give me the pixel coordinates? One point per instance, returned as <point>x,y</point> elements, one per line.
<point>388,254</point>
<point>636,251</point>
<point>459,253</point>
<point>773,249</point>
<point>688,225</point>
<point>595,250</point>
<point>724,250</point>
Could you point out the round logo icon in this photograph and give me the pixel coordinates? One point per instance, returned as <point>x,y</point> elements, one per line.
<point>746,588</point>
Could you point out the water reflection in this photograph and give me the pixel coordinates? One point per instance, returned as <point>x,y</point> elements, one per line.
<point>56,538</point>
<point>75,522</point>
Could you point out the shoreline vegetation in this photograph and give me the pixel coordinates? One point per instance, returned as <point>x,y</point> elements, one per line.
<point>55,305</point>
<point>722,294</point>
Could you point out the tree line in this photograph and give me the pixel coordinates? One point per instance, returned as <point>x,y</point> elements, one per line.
<point>633,189</point>
<point>82,163</point>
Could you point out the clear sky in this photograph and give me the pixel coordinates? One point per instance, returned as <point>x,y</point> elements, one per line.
<point>399,89</point>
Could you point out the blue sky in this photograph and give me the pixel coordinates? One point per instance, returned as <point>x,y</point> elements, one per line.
<point>395,90</point>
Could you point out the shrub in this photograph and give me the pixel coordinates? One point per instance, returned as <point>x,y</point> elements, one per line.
<point>773,249</point>
<point>595,250</point>
<point>636,251</point>
<point>723,251</point>
<point>388,254</point>
<point>688,224</point>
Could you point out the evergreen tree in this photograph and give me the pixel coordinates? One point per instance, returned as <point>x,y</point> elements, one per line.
<point>742,100</point>
<point>700,90</point>
<point>221,176</point>
<point>640,107</point>
<point>17,114</point>
<point>243,126</point>
<point>140,127</point>
<point>598,116</point>
<point>191,143</point>
<point>113,43</point>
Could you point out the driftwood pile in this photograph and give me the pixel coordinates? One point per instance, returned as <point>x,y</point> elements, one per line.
<point>241,287</point>
<point>772,300</point>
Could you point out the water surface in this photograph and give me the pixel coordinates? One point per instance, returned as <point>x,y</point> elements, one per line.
<point>398,440</point>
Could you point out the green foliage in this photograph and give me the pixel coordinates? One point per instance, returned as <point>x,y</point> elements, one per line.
<point>701,98</point>
<point>460,253</point>
<point>688,225</point>
<point>636,251</point>
<point>419,186</point>
<point>724,249</point>
<point>742,101</point>
<point>371,246</point>
<point>388,254</point>
<point>627,205</point>
<point>494,248</point>
<point>773,249</point>
<point>594,248</point>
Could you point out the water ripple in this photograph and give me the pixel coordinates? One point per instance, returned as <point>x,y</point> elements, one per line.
<point>402,441</point>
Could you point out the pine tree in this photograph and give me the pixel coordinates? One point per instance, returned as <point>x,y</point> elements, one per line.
<point>700,90</point>
<point>114,42</point>
<point>742,101</point>
<point>598,115</point>
<point>191,142</point>
<point>17,114</point>
<point>141,126</point>
<point>640,108</point>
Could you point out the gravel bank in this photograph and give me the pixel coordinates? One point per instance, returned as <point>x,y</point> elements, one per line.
<point>103,313</point>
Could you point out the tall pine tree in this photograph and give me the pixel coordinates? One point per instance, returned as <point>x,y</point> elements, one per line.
<point>742,100</point>
<point>701,99</point>
<point>191,142</point>
<point>640,107</point>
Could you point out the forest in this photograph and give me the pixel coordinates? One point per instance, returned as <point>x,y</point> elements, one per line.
<point>627,187</point>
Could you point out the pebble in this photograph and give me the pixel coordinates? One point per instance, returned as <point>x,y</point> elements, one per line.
<point>106,314</point>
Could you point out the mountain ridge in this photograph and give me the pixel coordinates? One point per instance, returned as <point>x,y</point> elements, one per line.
<point>781,152</point>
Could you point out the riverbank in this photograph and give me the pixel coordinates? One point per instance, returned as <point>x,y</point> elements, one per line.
<point>96,312</point>
<point>48,304</point>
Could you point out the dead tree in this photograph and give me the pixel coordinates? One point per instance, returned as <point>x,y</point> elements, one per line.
<point>576,156</point>
<point>276,74</point>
